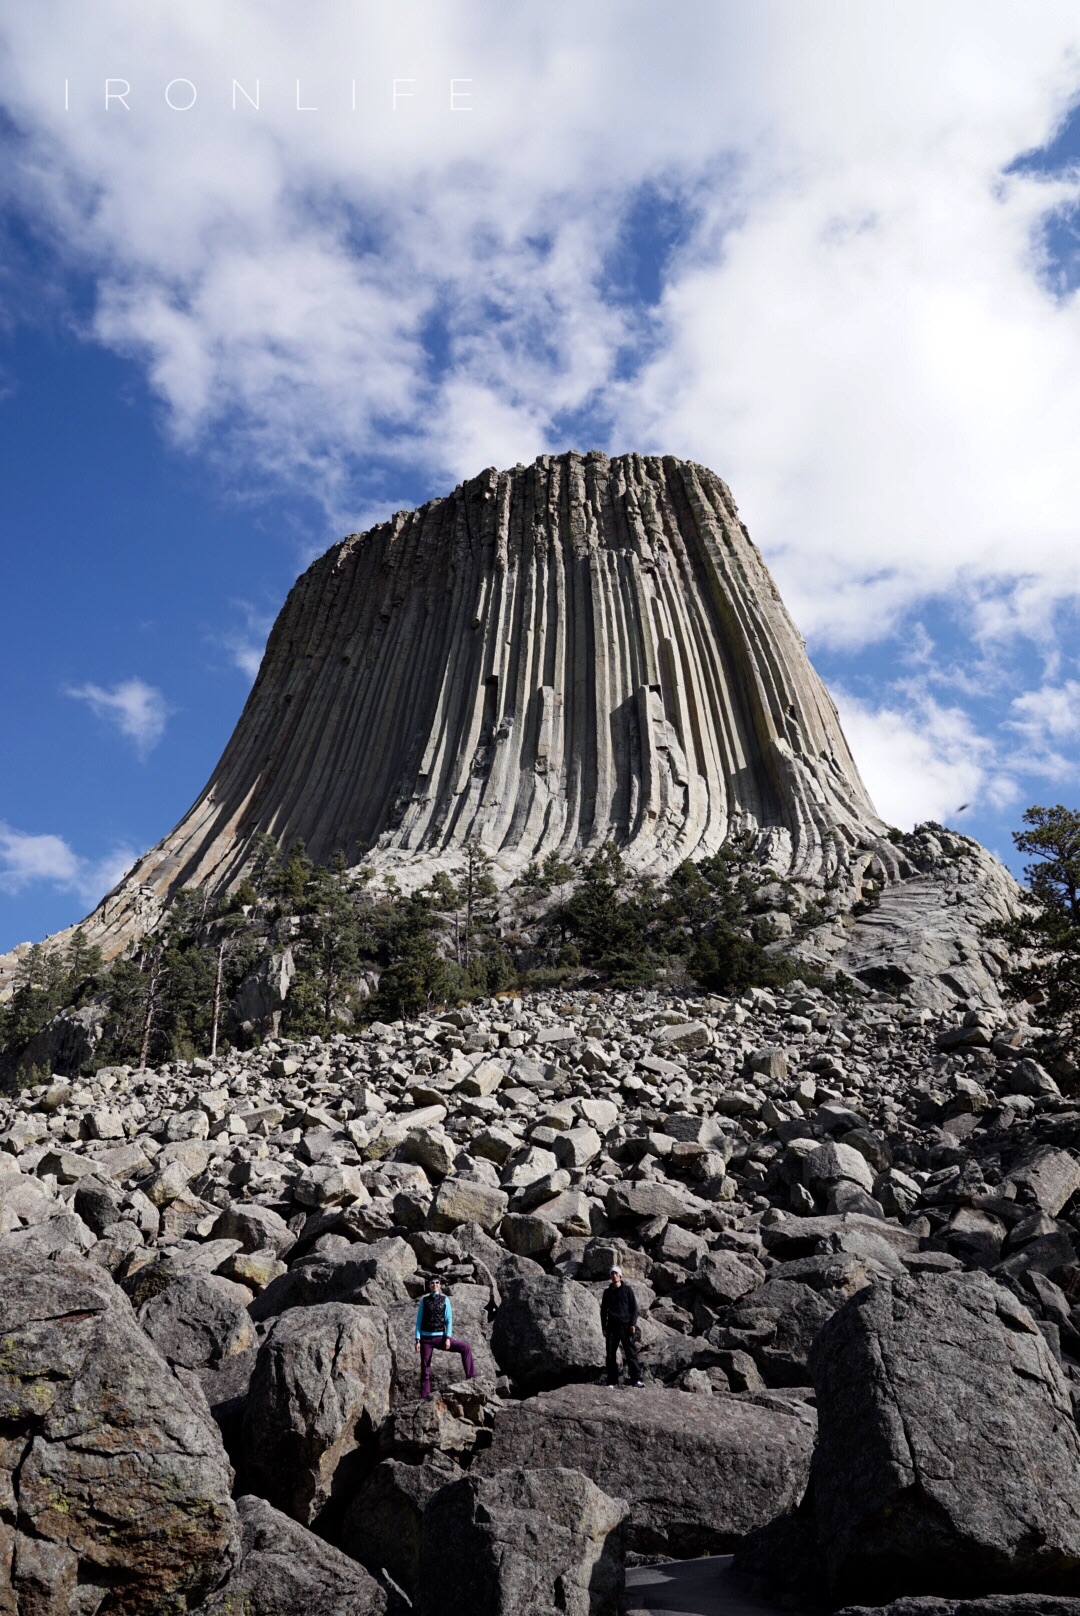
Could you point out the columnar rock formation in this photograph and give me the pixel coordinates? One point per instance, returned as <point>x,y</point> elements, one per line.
<point>567,653</point>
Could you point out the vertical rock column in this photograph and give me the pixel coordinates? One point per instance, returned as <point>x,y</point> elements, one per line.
<point>555,656</point>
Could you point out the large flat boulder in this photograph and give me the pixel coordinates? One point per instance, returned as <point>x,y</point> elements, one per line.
<point>697,1472</point>
<point>320,1387</point>
<point>948,1459</point>
<point>522,1543</point>
<point>111,1477</point>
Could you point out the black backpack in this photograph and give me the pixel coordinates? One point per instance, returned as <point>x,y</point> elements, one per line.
<point>434,1314</point>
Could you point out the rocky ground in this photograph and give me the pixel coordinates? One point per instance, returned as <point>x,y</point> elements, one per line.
<point>853,1231</point>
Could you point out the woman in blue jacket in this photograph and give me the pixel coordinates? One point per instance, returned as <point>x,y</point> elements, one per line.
<point>434,1322</point>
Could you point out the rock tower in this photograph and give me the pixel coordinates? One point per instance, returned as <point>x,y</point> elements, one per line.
<point>581,651</point>
<point>578,651</point>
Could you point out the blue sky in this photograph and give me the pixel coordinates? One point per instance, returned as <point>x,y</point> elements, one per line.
<point>831,251</point>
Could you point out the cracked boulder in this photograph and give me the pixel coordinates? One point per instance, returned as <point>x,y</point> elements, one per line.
<point>113,1483</point>
<point>320,1387</point>
<point>948,1458</point>
<point>522,1543</point>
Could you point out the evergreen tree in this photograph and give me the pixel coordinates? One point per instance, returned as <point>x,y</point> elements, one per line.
<point>608,924</point>
<point>329,949</point>
<point>415,975</point>
<point>288,880</point>
<point>477,890</point>
<point>1045,937</point>
<point>39,993</point>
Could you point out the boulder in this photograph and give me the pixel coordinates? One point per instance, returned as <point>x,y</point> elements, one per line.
<point>948,1458</point>
<point>111,1477</point>
<point>778,1324</point>
<point>197,1322</point>
<point>648,1198</point>
<point>255,1227</point>
<point>321,1385</point>
<point>470,1320</point>
<point>528,1234</point>
<point>722,1277</point>
<point>1049,1177</point>
<point>362,1275</point>
<point>832,1163</point>
<point>382,1526</point>
<point>697,1472</point>
<point>285,1570</point>
<point>522,1543</point>
<point>685,1036</point>
<point>546,1332</point>
<point>460,1200</point>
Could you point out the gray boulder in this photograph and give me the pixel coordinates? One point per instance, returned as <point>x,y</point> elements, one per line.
<point>697,1472</point>
<point>255,1227</point>
<point>948,1459</point>
<point>778,1324</point>
<point>111,1477</point>
<point>320,1387</point>
<point>546,1332</point>
<point>286,1570</point>
<point>522,1543</point>
<point>197,1322</point>
<point>362,1275</point>
<point>382,1525</point>
<point>470,1316</point>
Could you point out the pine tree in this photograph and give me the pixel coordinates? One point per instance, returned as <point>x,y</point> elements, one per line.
<point>329,948</point>
<point>39,993</point>
<point>477,890</point>
<point>1045,937</point>
<point>608,923</point>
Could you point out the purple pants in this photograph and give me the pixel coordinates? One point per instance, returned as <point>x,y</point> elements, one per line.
<point>427,1347</point>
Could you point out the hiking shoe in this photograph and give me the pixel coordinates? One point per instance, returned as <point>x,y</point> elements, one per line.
<point>639,1383</point>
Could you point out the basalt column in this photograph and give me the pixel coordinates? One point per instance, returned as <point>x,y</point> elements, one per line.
<point>578,651</point>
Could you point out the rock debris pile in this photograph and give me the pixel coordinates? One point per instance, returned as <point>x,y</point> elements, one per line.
<point>851,1229</point>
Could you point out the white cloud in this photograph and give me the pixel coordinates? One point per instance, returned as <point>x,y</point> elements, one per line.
<point>26,858</point>
<point>854,331</point>
<point>1053,710</point>
<point>923,760</point>
<point>1047,719</point>
<point>136,709</point>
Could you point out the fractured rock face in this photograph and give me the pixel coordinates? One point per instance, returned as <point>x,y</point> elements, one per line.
<point>553,657</point>
<point>111,1478</point>
<point>948,1458</point>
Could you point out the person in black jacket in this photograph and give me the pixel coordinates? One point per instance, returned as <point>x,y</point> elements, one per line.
<point>618,1319</point>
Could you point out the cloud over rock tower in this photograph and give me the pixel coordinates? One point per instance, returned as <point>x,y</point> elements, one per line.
<point>549,658</point>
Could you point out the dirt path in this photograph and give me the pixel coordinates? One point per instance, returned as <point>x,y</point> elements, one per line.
<point>692,1588</point>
